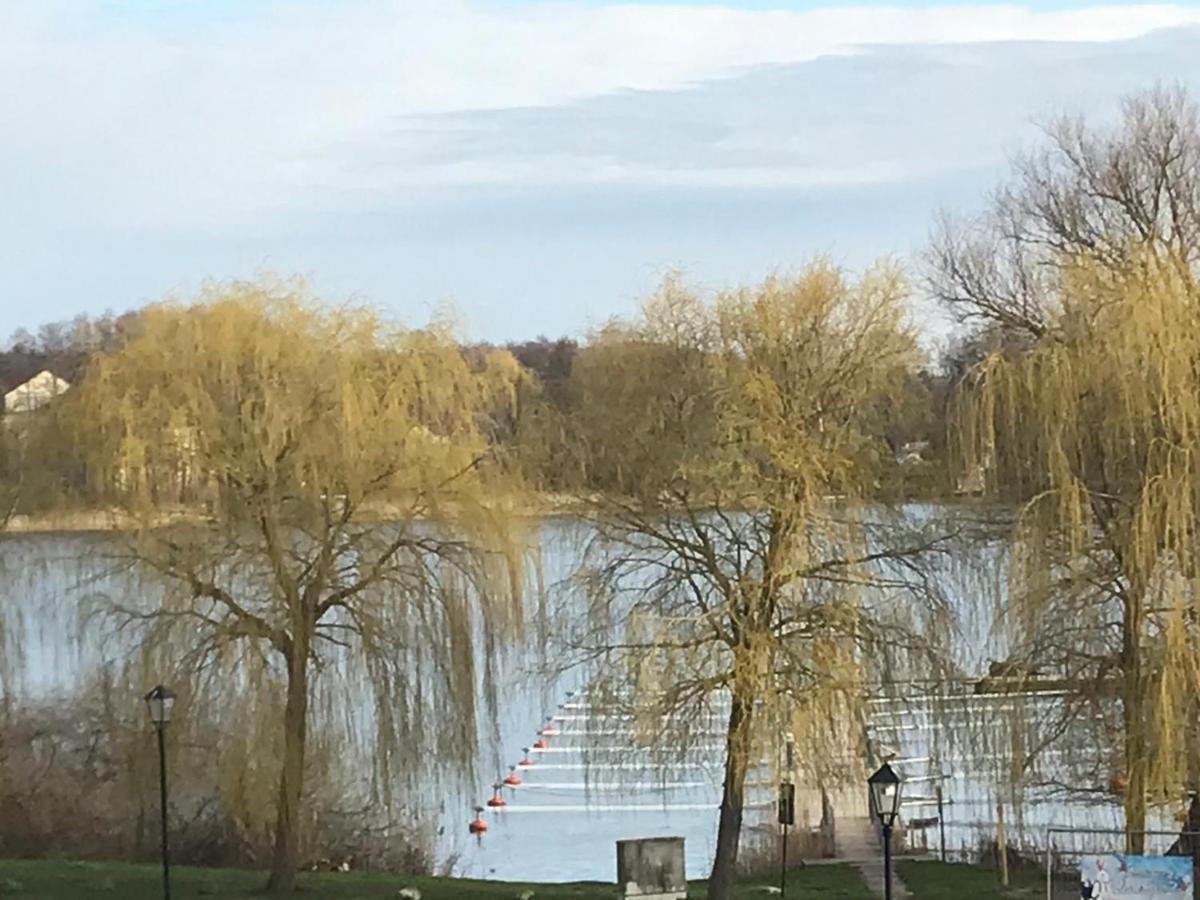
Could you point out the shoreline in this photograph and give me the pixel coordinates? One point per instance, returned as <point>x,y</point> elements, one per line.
<point>90,520</point>
<point>117,520</point>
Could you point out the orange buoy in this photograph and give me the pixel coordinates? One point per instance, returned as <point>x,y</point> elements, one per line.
<point>526,762</point>
<point>541,744</point>
<point>497,800</point>
<point>478,826</point>
<point>513,779</point>
<point>550,729</point>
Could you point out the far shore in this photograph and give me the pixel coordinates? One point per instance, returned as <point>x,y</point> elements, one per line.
<point>541,505</point>
<point>115,520</point>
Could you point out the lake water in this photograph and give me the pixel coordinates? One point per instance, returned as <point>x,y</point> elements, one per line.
<point>561,823</point>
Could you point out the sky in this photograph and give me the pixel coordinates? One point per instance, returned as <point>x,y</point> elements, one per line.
<point>538,166</point>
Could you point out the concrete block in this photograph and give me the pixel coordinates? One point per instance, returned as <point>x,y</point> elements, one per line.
<point>652,868</point>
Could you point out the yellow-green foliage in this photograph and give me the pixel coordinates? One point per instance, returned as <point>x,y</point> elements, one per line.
<point>257,387</point>
<point>756,389</point>
<point>737,559</point>
<point>1095,431</point>
<point>346,546</point>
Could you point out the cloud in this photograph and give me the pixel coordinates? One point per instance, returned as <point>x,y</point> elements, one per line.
<point>888,114</point>
<point>237,120</point>
<point>381,144</point>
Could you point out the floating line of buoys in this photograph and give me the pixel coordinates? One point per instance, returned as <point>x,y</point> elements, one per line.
<point>548,730</point>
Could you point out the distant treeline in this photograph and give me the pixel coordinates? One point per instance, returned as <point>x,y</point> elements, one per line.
<point>914,430</point>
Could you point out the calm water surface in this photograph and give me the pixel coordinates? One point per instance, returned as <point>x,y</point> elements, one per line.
<point>563,821</point>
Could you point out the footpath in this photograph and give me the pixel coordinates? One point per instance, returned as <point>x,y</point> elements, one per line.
<point>858,845</point>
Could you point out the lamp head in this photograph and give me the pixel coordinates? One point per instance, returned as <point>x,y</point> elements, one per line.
<point>885,787</point>
<point>159,703</point>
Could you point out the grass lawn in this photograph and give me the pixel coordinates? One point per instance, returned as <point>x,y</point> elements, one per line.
<point>61,880</point>
<point>951,881</point>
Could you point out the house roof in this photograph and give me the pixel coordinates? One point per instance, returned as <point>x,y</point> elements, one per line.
<point>34,392</point>
<point>15,374</point>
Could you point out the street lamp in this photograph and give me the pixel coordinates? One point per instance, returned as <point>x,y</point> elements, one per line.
<point>885,787</point>
<point>159,703</point>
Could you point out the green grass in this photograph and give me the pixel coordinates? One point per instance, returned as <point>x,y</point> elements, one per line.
<point>60,880</point>
<point>827,880</point>
<point>955,881</point>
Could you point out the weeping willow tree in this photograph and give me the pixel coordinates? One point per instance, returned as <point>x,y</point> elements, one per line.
<point>1081,274</point>
<point>728,449</point>
<point>320,509</point>
<point>1094,431</point>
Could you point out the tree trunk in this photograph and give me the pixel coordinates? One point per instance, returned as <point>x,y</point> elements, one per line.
<point>729,829</point>
<point>1135,768</point>
<point>1133,722</point>
<point>286,858</point>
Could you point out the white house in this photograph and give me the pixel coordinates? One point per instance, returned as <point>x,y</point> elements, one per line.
<point>35,393</point>
<point>912,453</point>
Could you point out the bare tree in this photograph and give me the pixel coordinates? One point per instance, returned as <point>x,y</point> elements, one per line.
<point>1088,194</point>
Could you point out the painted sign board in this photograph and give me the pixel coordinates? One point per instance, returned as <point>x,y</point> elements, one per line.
<point>1115,877</point>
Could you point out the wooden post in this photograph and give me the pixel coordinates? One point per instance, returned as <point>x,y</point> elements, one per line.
<point>783,864</point>
<point>1049,864</point>
<point>1003,843</point>
<point>941,822</point>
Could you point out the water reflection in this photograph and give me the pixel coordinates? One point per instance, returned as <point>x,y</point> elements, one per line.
<point>589,790</point>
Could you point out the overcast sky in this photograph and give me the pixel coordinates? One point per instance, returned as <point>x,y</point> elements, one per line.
<point>539,165</point>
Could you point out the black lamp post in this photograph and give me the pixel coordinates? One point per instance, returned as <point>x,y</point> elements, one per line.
<point>158,704</point>
<point>787,805</point>
<point>885,787</point>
